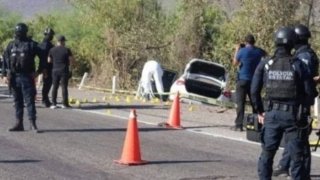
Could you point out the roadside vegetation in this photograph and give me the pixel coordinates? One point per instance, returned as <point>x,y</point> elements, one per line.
<point>116,37</point>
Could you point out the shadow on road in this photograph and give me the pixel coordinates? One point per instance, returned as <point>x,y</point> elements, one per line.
<point>95,107</point>
<point>100,130</point>
<point>20,161</point>
<point>210,178</point>
<point>211,126</point>
<point>182,161</point>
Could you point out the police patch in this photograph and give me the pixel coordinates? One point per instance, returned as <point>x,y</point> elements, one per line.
<point>281,75</point>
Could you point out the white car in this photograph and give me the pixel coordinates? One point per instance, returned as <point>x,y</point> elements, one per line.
<point>201,77</point>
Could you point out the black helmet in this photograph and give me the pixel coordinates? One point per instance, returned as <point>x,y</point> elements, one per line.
<point>21,28</point>
<point>48,31</point>
<point>285,36</point>
<point>302,32</point>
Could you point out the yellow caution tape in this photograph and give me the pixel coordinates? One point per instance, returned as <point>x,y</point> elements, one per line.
<point>190,96</point>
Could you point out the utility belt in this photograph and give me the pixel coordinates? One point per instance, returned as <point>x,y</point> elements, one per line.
<point>281,106</point>
<point>22,73</point>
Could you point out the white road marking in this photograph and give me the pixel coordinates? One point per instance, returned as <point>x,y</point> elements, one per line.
<point>4,95</point>
<point>189,130</point>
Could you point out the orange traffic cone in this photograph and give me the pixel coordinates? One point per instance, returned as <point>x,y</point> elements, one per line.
<point>174,118</point>
<point>131,149</point>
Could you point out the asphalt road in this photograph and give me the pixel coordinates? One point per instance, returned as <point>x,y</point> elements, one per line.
<point>82,144</point>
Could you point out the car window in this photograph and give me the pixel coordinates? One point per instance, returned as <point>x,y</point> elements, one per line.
<point>207,69</point>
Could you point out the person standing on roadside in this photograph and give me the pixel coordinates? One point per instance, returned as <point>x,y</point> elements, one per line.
<point>45,67</point>
<point>247,56</point>
<point>19,73</point>
<point>61,58</point>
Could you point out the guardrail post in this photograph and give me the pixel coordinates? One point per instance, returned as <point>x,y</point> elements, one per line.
<point>114,79</point>
<point>85,75</point>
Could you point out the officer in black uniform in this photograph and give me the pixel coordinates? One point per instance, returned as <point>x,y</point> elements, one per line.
<point>45,67</point>
<point>306,54</point>
<point>19,73</point>
<point>288,91</point>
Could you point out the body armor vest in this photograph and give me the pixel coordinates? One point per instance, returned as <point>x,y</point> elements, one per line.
<point>281,79</point>
<point>309,57</point>
<point>20,60</point>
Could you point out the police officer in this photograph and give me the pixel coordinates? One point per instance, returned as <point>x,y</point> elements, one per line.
<point>45,67</point>
<point>307,55</point>
<point>288,90</point>
<point>19,73</point>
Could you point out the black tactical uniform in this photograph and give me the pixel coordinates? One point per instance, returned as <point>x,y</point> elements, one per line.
<point>19,68</point>
<point>60,57</point>
<point>305,54</point>
<point>45,67</point>
<point>288,89</point>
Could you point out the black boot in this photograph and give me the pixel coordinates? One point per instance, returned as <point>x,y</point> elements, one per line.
<point>33,126</point>
<point>46,103</point>
<point>18,126</point>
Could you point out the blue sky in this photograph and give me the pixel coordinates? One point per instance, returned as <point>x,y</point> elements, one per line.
<point>28,8</point>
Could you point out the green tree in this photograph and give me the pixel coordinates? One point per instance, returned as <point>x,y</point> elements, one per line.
<point>259,17</point>
<point>197,26</point>
<point>7,23</point>
<point>130,32</point>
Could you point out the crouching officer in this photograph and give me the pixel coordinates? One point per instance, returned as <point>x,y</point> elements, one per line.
<point>287,87</point>
<point>45,67</point>
<point>19,73</point>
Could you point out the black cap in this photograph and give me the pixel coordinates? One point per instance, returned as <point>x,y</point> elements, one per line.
<point>61,38</point>
<point>250,39</point>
